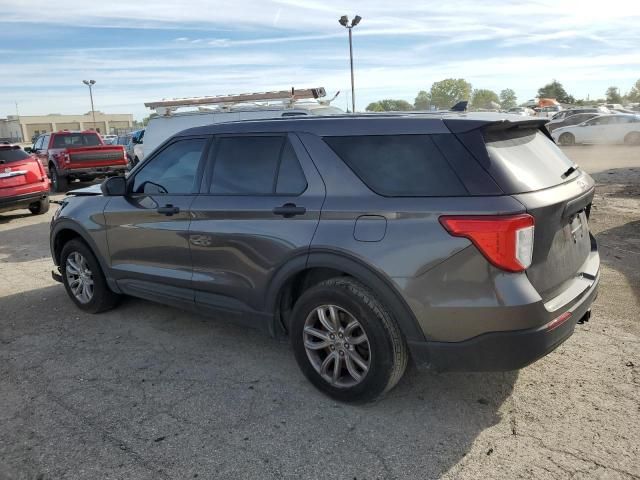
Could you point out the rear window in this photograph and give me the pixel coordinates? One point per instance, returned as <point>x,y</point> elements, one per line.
<point>399,165</point>
<point>527,158</point>
<point>76,140</point>
<point>8,155</point>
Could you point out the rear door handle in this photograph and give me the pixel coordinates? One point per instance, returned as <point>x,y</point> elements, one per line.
<point>168,210</point>
<point>289,210</point>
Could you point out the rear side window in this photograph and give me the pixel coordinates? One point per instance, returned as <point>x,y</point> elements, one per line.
<point>399,165</point>
<point>527,158</point>
<point>8,155</point>
<point>76,140</point>
<point>258,165</point>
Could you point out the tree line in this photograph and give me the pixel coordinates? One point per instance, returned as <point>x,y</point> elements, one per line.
<point>446,93</point>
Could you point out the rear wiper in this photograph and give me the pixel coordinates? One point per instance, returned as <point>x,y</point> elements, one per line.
<point>570,170</point>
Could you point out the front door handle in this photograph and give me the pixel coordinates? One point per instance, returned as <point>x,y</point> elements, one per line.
<point>289,210</point>
<point>168,210</point>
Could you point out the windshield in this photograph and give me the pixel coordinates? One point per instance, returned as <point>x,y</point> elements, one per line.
<point>527,158</point>
<point>76,140</point>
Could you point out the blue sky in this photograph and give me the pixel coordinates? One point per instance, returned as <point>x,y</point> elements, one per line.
<point>139,51</point>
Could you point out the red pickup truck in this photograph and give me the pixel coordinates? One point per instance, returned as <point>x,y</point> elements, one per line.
<point>78,155</point>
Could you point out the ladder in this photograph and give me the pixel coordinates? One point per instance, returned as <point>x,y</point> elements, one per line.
<point>165,107</point>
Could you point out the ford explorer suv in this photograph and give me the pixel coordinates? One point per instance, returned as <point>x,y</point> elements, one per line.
<point>78,156</point>
<point>23,181</point>
<point>460,241</point>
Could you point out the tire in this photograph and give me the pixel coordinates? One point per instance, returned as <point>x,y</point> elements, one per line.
<point>59,183</point>
<point>101,298</point>
<point>567,139</point>
<point>40,207</point>
<point>632,138</point>
<point>384,348</point>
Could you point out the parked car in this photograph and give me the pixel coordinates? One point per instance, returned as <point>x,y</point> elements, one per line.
<point>109,139</point>
<point>561,115</point>
<point>23,181</point>
<point>71,155</point>
<point>461,240</point>
<point>548,111</point>
<point>135,150</point>
<point>525,111</point>
<point>566,121</point>
<point>603,129</point>
<point>122,140</point>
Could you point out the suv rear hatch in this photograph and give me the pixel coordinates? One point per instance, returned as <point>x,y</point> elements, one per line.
<point>18,168</point>
<point>527,165</point>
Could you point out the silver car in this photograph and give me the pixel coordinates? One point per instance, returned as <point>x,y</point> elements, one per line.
<point>459,241</point>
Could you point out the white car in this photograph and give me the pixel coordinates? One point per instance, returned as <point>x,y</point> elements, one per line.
<point>109,139</point>
<point>603,129</point>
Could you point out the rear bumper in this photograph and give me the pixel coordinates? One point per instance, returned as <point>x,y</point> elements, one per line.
<point>503,351</point>
<point>21,201</point>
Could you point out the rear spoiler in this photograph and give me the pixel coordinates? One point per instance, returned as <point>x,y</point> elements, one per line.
<point>468,124</point>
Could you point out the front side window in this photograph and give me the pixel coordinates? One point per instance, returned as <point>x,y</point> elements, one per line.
<point>173,170</point>
<point>258,165</point>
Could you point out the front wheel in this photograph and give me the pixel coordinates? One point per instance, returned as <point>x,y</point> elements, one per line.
<point>83,279</point>
<point>345,342</point>
<point>632,138</point>
<point>567,139</point>
<point>40,207</point>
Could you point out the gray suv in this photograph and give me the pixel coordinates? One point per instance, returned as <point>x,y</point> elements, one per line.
<point>459,241</point>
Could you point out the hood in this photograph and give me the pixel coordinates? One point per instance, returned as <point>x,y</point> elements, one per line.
<point>87,191</point>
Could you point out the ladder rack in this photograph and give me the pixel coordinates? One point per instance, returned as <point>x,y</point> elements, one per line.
<point>165,107</point>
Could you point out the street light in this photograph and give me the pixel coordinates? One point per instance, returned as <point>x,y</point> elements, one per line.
<point>344,21</point>
<point>90,84</point>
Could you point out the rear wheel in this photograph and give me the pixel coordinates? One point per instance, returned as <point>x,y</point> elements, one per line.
<point>632,138</point>
<point>567,139</point>
<point>40,207</point>
<point>59,183</point>
<point>83,278</point>
<point>345,342</point>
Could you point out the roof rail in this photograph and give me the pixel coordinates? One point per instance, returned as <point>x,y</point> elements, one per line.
<point>166,107</point>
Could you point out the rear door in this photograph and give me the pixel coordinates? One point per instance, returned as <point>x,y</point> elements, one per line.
<point>147,230</point>
<point>259,208</point>
<point>531,168</point>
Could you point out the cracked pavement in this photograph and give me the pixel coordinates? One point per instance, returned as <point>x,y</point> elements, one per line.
<point>151,392</point>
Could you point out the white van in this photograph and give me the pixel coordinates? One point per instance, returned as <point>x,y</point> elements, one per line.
<point>229,109</point>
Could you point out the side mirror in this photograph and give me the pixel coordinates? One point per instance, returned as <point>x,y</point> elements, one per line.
<point>114,187</point>
<point>28,150</point>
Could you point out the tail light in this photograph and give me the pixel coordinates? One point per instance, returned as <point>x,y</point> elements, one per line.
<point>40,167</point>
<point>505,240</point>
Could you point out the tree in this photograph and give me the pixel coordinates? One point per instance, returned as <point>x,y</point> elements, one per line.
<point>422,101</point>
<point>483,98</point>
<point>613,96</point>
<point>508,99</point>
<point>389,105</point>
<point>557,91</point>
<point>446,93</point>
<point>634,93</point>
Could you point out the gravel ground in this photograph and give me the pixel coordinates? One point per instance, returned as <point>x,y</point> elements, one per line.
<point>147,391</point>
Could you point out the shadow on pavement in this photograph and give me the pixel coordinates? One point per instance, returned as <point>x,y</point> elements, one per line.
<point>146,389</point>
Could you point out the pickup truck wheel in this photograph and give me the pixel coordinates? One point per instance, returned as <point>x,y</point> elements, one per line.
<point>59,183</point>
<point>40,207</point>
<point>345,342</point>
<point>83,279</point>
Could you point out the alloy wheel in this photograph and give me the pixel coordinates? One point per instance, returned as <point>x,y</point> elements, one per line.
<point>79,277</point>
<point>337,346</point>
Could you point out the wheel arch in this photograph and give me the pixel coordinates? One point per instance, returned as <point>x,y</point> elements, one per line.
<point>302,272</point>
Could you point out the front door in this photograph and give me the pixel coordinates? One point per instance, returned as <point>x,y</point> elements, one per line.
<point>259,208</point>
<point>147,230</point>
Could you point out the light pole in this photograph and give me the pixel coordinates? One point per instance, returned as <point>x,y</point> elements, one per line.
<point>90,84</point>
<point>344,21</point>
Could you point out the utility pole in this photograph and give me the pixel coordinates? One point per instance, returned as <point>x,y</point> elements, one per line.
<point>344,21</point>
<point>90,84</point>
